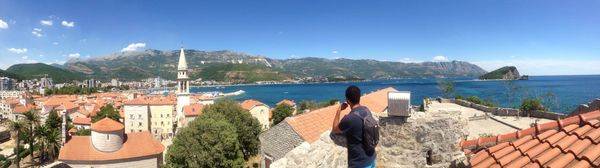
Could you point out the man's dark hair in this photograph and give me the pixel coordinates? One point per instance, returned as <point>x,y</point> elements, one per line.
<point>353,94</point>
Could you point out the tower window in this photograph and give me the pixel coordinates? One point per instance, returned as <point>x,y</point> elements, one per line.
<point>107,137</point>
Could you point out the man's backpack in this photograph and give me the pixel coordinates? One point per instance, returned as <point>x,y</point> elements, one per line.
<point>370,131</point>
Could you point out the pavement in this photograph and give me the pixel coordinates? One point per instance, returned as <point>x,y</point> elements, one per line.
<point>486,125</point>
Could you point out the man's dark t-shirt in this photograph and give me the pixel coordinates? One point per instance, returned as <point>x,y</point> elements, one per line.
<point>352,127</point>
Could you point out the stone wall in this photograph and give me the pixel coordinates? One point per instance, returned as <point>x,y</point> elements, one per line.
<point>510,111</point>
<point>403,143</point>
<point>584,108</point>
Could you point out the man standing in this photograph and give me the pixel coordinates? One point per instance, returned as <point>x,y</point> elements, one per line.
<point>356,128</point>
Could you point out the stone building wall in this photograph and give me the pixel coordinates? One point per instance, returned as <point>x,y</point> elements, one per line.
<point>423,140</point>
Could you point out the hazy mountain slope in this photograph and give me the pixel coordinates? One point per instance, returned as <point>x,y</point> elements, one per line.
<point>38,70</point>
<point>152,63</point>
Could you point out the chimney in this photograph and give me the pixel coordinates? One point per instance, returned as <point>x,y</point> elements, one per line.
<point>399,104</point>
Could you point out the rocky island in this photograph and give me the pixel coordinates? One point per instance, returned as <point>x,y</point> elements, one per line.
<point>504,73</point>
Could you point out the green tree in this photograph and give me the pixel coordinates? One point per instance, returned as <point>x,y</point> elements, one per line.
<point>281,112</point>
<point>53,121</point>
<point>18,127</point>
<point>447,88</point>
<point>247,127</point>
<point>107,111</point>
<point>40,132</point>
<point>529,105</point>
<point>53,143</point>
<point>208,141</point>
<point>33,120</point>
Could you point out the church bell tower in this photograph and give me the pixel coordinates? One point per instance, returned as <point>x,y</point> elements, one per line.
<point>183,88</point>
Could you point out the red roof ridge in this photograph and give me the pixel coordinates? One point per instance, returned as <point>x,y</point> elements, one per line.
<point>107,124</point>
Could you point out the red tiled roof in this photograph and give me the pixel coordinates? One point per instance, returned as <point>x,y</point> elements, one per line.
<point>67,105</point>
<point>106,125</point>
<point>23,109</point>
<point>569,142</point>
<point>377,101</point>
<point>137,101</point>
<point>312,124</point>
<point>82,121</point>
<point>161,101</point>
<point>288,102</point>
<point>138,144</point>
<point>250,103</point>
<point>192,110</point>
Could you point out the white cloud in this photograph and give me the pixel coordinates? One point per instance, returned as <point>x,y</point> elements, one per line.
<point>334,52</point>
<point>25,57</point>
<point>37,32</point>
<point>74,55</point>
<point>55,43</point>
<point>3,24</point>
<point>17,50</point>
<point>545,66</point>
<point>67,24</point>
<point>46,22</point>
<point>440,58</point>
<point>133,47</point>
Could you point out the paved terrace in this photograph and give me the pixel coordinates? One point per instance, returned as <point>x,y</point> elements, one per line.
<point>479,125</point>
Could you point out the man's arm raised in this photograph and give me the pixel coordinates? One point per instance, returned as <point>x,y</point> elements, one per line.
<point>335,128</point>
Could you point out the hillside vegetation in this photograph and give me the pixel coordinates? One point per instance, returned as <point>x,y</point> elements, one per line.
<point>38,70</point>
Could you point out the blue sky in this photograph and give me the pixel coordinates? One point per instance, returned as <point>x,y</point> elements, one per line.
<point>539,37</point>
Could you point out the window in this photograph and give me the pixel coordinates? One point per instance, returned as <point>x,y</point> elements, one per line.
<point>140,116</point>
<point>161,115</point>
<point>131,130</point>
<point>140,124</point>
<point>162,123</point>
<point>131,116</point>
<point>107,137</point>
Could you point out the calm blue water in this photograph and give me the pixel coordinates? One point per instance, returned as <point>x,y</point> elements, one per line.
<point>568,91</point>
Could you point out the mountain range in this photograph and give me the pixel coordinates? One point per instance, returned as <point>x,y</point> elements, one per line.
<point>237,67</point>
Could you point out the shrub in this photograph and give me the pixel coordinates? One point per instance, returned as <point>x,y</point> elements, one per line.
<point>530,105</point>
<point>281,112</point>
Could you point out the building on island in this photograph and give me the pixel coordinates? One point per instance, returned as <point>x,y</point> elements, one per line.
<point>183,88</point>
<point>259,111</point>
<point>108,146</point>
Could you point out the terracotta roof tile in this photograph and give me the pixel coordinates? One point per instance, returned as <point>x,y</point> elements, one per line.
<point>250,103</point>
<point>192,110</point>
<point>288,102</point>
<point>569,142</point>
<point>23,109</point>
<point>106,125</point>
<point>138,144</point>
<point>82,121</point>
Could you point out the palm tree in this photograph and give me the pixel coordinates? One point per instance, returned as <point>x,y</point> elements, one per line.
<point>18,127</point>
<point>33,119</point>
<point>53,140</point>
<point>40,132</point>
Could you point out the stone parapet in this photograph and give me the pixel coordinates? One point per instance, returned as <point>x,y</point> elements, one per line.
<point>423,140</point>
